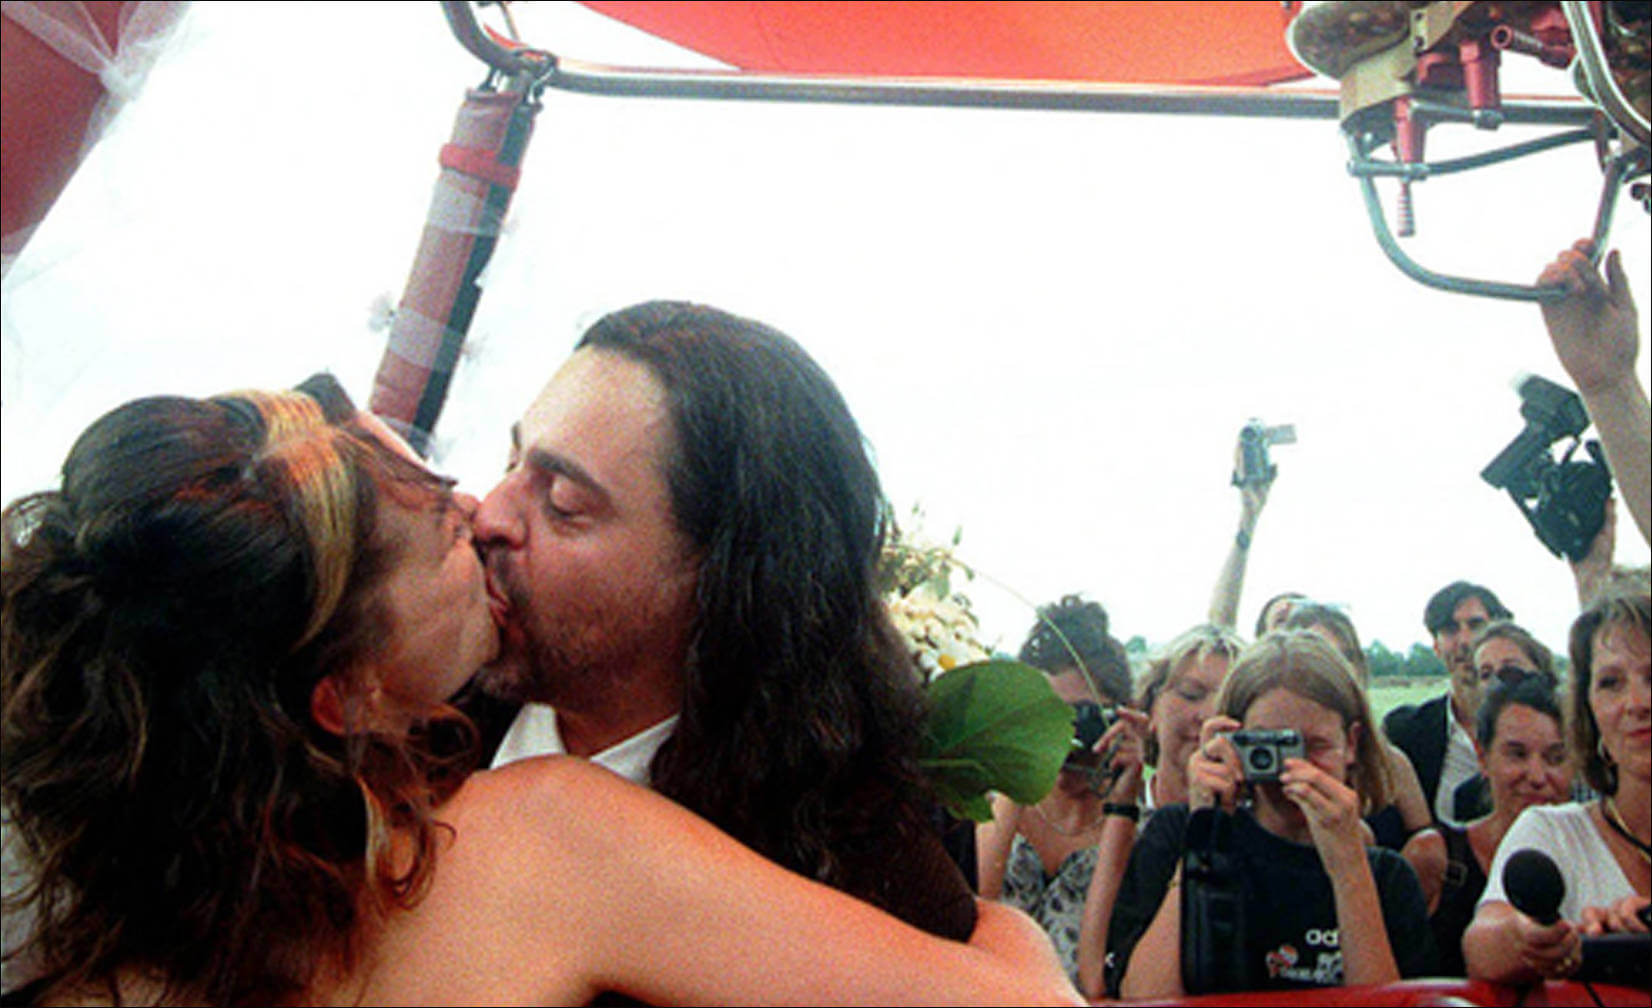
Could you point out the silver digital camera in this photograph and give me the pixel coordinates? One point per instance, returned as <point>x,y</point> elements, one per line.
<point>1262,754</point>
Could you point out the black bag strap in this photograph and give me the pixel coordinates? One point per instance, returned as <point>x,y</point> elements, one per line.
<point>1213,907</point>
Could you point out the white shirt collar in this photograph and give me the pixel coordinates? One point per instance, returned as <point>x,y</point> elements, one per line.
<point>1458,764</point>
<point>535,733</point>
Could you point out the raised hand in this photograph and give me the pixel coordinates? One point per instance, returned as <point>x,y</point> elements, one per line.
<point>1594,328</point>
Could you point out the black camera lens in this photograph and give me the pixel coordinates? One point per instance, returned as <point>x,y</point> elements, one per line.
<point>1261,760</point>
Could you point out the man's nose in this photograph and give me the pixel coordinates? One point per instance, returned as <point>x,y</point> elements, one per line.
<point>496,520</point>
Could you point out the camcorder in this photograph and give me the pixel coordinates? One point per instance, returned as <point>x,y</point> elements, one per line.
<point>1255,468</point>
<point>1564,499</point>
<point>1262,754</point>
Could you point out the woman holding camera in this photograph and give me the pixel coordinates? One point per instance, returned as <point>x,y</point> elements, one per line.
<point>1040,858</point>
<point>1319,907</point>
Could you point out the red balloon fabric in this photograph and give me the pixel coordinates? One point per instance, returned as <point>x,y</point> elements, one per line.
<point>1210,43</point>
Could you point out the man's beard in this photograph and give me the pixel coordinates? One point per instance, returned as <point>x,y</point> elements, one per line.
<point>541,670</point>
<point>577,658</point>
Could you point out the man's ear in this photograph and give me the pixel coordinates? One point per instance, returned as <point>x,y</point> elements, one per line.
<point>327,705</point>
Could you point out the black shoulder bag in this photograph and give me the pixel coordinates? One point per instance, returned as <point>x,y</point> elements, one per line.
<point>1213,907</point>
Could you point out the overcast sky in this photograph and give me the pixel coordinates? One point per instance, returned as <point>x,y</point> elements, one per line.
<point>1051,325</point>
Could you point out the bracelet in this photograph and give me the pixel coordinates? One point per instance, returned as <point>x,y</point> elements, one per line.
<point>1128,811</point>
<point>1243,539</point>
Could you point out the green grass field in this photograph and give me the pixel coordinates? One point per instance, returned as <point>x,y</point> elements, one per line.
<point>1385,698</point>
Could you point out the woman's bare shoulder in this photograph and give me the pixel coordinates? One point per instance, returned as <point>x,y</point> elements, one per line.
<point>548,801</point>
<point>514,893</point>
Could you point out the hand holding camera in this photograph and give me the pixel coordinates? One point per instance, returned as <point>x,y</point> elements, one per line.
<point>1332,809</point>
<point>1252,467</point>
<point>1123,748</point>
<point>1108,745</point>
<point>1214,773</point>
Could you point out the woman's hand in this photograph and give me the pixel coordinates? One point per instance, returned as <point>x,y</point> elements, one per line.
<point>1213,774</point>
<point>1123,747</point>
<point>1331,808</point>
<point>1618,918</point>
<point>1552,951</point>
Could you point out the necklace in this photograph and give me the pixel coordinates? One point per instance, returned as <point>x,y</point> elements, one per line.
<point>1610,809</point>
<point>1083,828</point>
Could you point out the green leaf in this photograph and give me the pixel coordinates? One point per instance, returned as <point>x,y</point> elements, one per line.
<point>994,726</point>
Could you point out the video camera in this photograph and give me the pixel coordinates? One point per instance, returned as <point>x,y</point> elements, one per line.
<point>1564,500</point>
<point>1255,469</point>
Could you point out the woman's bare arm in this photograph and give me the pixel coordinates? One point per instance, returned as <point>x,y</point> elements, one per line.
<point>634,894</point>
<point>992,846</point>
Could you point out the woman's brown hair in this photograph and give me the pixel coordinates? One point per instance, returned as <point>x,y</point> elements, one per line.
<point>167,615</point>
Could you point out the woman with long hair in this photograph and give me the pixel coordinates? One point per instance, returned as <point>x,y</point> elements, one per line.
<point>1602,847</point>
<point>1319,907</point>
<point>1405,824</point>
<point>234,776</point>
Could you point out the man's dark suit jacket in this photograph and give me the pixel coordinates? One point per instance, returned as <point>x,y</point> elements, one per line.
<point>1419,730</point>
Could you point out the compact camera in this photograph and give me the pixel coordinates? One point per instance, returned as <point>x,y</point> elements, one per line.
<point>1255,469</point>
<point>1564,500</point>
<point>1090,722</point>
<point>1262,754</point>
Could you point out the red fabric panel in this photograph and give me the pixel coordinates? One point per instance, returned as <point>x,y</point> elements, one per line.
<point>45,102</point>
<point>1427,993</point>
<point>1212,43</point>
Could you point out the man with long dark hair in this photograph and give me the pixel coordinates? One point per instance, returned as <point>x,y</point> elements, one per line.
<point>685,549</point>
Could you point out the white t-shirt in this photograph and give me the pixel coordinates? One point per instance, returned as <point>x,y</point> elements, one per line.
<point>1567,834</point>
<point>535,733</point>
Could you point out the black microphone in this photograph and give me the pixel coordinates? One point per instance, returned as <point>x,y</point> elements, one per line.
<point>1534,885</point>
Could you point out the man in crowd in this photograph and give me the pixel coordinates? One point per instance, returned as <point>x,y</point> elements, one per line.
<point>1438,735</point>
<point>683,555</point>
